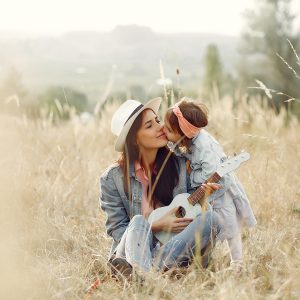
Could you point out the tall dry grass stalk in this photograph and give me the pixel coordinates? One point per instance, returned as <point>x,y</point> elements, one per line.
<point>54,243</point>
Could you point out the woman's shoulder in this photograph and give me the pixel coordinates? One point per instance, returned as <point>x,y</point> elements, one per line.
<point>111,171</point>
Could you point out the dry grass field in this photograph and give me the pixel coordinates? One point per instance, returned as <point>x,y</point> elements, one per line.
<point>53,241</point>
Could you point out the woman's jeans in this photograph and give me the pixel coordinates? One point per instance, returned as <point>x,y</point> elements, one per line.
<point>139,248</point>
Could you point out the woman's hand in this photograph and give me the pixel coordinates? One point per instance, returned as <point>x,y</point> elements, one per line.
<point>170,223</point>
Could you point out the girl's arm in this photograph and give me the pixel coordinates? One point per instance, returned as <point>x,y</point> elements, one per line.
<point>204,163</point>
<point>111,202</point>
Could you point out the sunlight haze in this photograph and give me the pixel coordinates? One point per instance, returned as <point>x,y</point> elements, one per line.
<point>55,17</point>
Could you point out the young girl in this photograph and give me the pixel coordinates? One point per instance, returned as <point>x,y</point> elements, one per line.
<point>184,126</point>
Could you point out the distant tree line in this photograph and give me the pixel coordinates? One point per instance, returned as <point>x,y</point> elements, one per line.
<point>269,65</point>
<point>268,49</point>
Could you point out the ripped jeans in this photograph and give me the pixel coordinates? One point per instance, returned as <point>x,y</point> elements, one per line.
<point>139,248</point>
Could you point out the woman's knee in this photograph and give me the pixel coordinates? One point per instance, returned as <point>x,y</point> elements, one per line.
<point>210,217</point>
<point>207,221</point>
<point>139,222</point>
<point>216,223</point>
<point>205,217</point>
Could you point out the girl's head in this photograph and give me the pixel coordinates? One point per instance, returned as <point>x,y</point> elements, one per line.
<point>186,113</point>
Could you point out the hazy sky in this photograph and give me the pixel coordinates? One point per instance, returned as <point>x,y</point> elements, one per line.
<point>58,16</point>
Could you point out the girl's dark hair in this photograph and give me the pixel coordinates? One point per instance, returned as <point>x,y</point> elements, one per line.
<point>195,112</point>
<point>165,160</point>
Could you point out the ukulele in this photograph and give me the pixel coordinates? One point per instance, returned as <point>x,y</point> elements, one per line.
<point>191,205</point>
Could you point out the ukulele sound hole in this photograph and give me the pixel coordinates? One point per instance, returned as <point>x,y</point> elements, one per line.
<point>180,213</point>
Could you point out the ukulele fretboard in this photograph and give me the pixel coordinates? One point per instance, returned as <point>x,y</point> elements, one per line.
<point>199,194</point>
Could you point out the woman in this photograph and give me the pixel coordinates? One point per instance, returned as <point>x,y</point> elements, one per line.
<point>145,177</point>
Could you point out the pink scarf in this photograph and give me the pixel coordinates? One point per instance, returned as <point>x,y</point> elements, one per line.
<point>186,127</point>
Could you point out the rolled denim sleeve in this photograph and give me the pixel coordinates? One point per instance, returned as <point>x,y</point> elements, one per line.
<point>111,202</point>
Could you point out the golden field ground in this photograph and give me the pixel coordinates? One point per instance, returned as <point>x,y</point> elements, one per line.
<point>53,241</point>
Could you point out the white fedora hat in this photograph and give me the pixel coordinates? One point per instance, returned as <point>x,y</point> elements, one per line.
<point>125,115</point>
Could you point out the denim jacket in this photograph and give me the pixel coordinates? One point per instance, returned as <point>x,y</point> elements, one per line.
<point>205,155</point>
<point>114,202</point>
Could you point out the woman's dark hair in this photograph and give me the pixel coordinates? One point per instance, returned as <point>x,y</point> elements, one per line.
<point>166,166</point>
<point>194,112</point>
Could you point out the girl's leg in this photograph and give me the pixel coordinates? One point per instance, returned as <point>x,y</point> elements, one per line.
<point>136,244</point>
<point>202,232</point>
<point>235,247</point>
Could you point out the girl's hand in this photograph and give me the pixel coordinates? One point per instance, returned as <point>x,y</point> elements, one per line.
<point>170,223</point>
<point>210,188</point>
